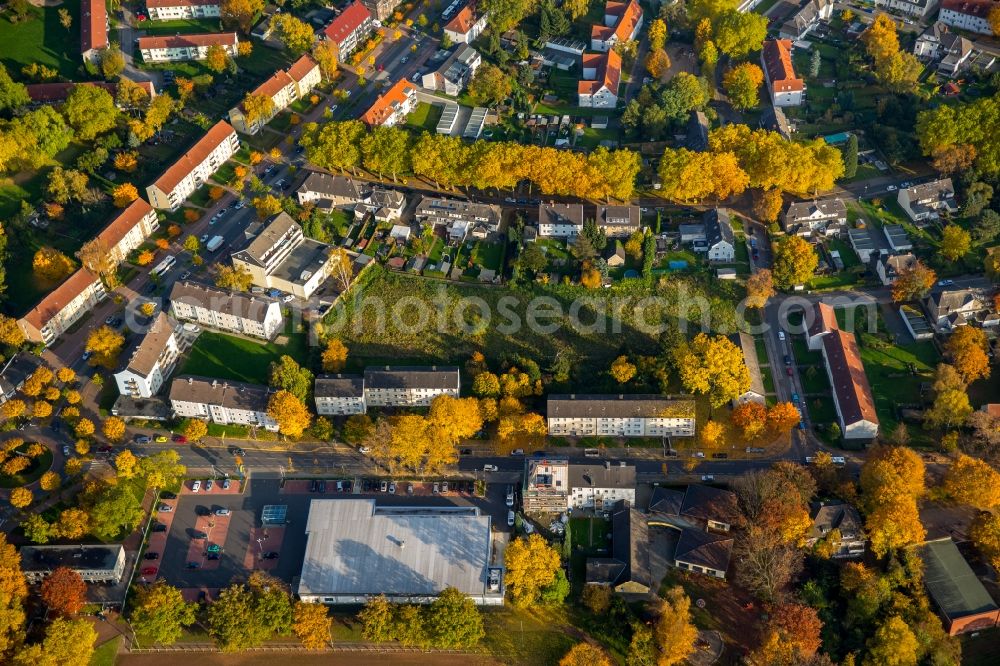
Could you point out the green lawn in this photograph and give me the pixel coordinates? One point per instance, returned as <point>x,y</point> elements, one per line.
<point>226,357</point>
<point>488,255</point>
<point>42,39</point>
<point>425,117</point>
<point>895,373</point>
<point>106,654</point>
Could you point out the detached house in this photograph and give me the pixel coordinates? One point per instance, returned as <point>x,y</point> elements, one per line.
<point>169,10</point>
<point>822,218</point>
<point>465,27</point>
<point>599,79</point>
<point>719,236</point>
<point>62,307</point>
<point>948,308</point>
<point>888,267</point>
<point>186,47</point>
<point>785,88</point>
<point>350,29</point>
<point>151,361</point>
<point>809,15</point>
<point>619,221</point>
<point>93,29</point>
<point>926,200</point>
<point>622,21</point>
<point>972,15</point>
<point>455,73</point>
<point>841,523</point>
<point>285,87</point>
<point>194,167</point>
<point>392,107</point>
<point>560,220</point>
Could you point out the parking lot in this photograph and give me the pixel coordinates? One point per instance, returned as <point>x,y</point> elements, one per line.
<point>210,538</point>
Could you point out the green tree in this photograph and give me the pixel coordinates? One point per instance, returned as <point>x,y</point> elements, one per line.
<point>114,510</point>
<point>742,85</point>
<point>111,60</point>
<point>386,150</point>
<point>795,262</point>
<point>850,155</point>
<point>13,95</point>
<point>376,619</point>
<point>287,374</point>
<point>66,643</point>
<point>490,85</point>
<point>335,145</point>
<point>452,621</point>
<point>739,34</point>
<point>531,565</point>
<point>955,242</point>
<point>894,644</point>
<point>295,34</point>
<point>161,613</point>
<point>90,111</point>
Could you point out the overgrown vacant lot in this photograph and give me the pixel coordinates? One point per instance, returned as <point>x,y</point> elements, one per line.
<point>393,318</point>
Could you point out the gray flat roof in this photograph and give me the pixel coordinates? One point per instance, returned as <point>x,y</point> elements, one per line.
<point>46,558</point>
<point>357,548</point>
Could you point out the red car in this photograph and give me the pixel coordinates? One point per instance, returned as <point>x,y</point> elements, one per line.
<point>180,439</point>
<point>149,571</point>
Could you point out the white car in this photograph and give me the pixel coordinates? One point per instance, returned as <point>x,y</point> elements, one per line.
<point>365,449</point>
<point>287,298</point>
<point>510,519</point>
<point>781,335</point>
<point>490,468</point>
<point>891,188</point>
<point>222,512</point>
<point>164,508</point>
<point>707,477</point>
<point>196,487</point>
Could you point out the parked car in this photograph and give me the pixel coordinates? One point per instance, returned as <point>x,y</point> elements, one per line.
<point>105,449</point>
<point>365,450</point>
<point>788,359</point>
<point>238,451</point>
<point>384,486</point>
<point>444,487</point>
<point>698,454</point>
<point>321,487</point>
<point>222,512</point>
<point>510,495</point>
<point>517,452</point>
<point>161,439</point>
<point>179,439</point>
<point>392,488</point>
<point>142,439</point>
<point>66,450</point>
<point>199,535</point>
<point>707,477</point>
<point>194,565</point>
<point>166,494</point>
<point>466,452</point>
<point>149,571</point>
<point>151,556</point>
<point>225,484</point>
<point>270,555</point>
<point>159,527</point>
<point>720,456</point>
<point>164,508</point>
<point>490,468</point>
<point>788,371</point>
<point>213,556</point>
<point>437,488</point>
<point>196,487</point>
<point>510,519</point>
<point>208,485</point>
<point>214,548</point>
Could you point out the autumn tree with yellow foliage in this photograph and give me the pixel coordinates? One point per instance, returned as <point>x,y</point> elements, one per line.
<point>105,344</point>
<point>966,348</point>
<point>973,482</point>
<point>291,414</point>
<point>892,480</point>
<point>311,624</point>
<point>674,631</point>
<point>531,565</point>
<point>334,356</point>
<point>51,264</point>
<point>124,194</point>
<point>712,366</point>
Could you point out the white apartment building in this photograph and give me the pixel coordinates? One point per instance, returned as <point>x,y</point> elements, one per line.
<point>194,167</point>
<point>129,230</point>
<point>232,312</point>
<point>620,416</point>
<point>169,10</point>
<point>465,27</point>
<point>914,8</point>
<point>186,47</point>
<point>600,486</point>
<point>926,201</point>
<point>95,564</point>
<point>151,362</point>
<point>282,258</point>
<point>340,395</point>
<point>784,86</point>
<point>560,220</point>
<point>221,401</point>
<point>62,307</point>
<point>967,14</point>
<point>402,386</point>
<point>285,87</point>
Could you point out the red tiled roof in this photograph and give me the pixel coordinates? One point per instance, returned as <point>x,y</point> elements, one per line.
<point>57,92</point>
<point>274,85</point>
<point>301,67</point>
<point>980,8</point>
<point>112,234</point>
<point>59,298</point>
<point>93,25</point>
<point>777,56</point>
<point>993,409</point>
<point>850,383</point>
<point>193,157</point>
<point>348,21</point>
<point>630,17</point>
<point>609,72</point>
<point>463,21</point>
<point>182,3</point>
<point>181,41</point>
<point>824,320</point>
<point>384,105</point>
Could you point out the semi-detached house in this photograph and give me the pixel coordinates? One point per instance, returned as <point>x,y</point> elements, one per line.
<point>186,47</point>
<point>392,107</point>
<point>600,75</point>
<point>560,220</point>
<point>194,167</point>
<point>169,10</point>
<point>221,401</point>
<point>62,307</point>
<point>350,29</point>
<point>285,87</point>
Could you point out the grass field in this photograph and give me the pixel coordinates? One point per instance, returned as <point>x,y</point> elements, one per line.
<point>42,39</point>
<point>895,373</point>
<point>227,357</point>
<point>106,654</point>
<point>425,117</point>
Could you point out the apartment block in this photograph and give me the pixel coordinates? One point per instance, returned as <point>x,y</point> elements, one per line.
<point>195,167</point>
<point>785,87</point>
<point>284,88</point>
<point>63,307</point>
<point>392,107</point>
<point>170,10</point>
<point>380,9</point>
<point>350,29</point>
<point>402,386</point>
<point>93,29</point>
<point>620,416</point>
<point>186,47</point>
<point>151,361</point>
<point>553,485</point>
<point>232,312</point>
<point>340,395</point>
<point>221,401</point>
<point>281,257</point>
<point>129,230</point>
<point>95,564</point>
<point>622,21</point>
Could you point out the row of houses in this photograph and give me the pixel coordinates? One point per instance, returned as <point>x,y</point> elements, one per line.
<point>283,88</point>
<point>601,72</point>
<point>971,15</point>
<point>384,386</point>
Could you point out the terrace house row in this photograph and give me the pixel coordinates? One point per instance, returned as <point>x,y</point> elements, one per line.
<point>384,386</point>
<point>560,220</point>
<point>460,219</point>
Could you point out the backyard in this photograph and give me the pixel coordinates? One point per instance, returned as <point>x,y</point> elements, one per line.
<point>895,373</point>
<point>227,357</point>
<point>425,117</point>
<point>42,39</point>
